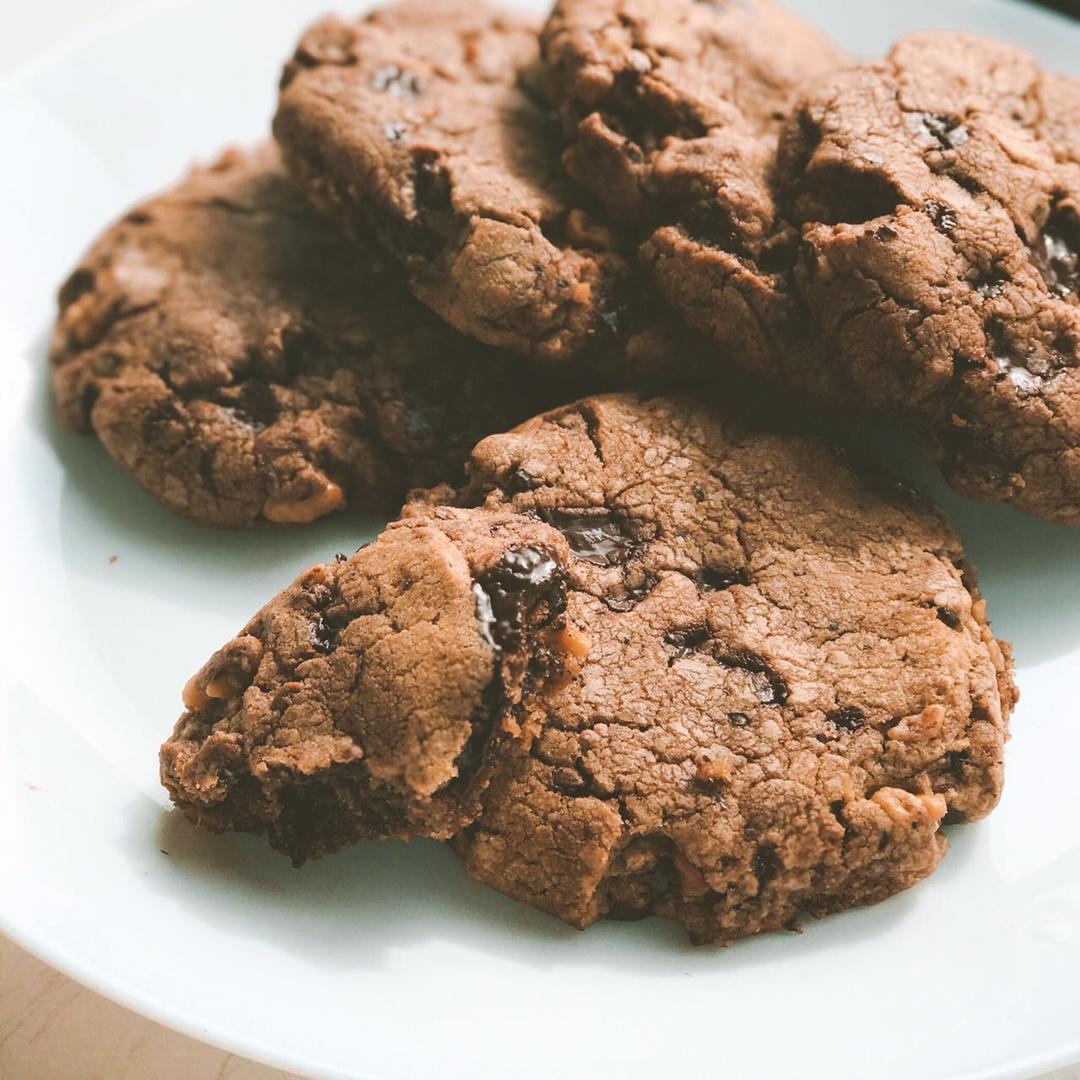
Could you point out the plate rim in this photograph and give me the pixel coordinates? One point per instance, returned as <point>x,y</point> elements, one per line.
<point>37,941</point>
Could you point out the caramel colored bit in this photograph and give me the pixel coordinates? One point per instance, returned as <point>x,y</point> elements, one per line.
<point>926,725</point>
<point>80,319</point>
<point>303,511</point>
<point>581,293</point>
<point>692,882</point>
<point>194,696</point>
<point>571,641</point>
<point>198,695</point>
<point>903,807</point>
<point>719,769</point>
<point>582,231</point>
<point>571,645</point>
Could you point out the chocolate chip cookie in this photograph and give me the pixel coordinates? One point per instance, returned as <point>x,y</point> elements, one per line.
<point>650,662</point>
<point>245,364</point>
<point>938,194</point>
<point>423,121</point>
<point>672,110</point>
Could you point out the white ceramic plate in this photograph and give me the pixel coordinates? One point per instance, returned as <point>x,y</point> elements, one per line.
<point>385,961</point>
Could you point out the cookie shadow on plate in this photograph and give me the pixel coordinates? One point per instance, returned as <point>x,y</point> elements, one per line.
<point>352,910</point>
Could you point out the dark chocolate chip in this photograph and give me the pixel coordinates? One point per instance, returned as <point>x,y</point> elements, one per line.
<point>766,864</point>
<point>425,233</point>
<point>76,286</point>
<point>738,719</point>
<point>992,283</point>
<point>716,580</point>
<point>600,538</point>
<point>949,618</point>
<point>687,640</point>
<point>254,403</point>
<point>944,217</point>
<point>947,131</point>
<point>330,619</point>
<point>956,762</point>
<point>1028,372</point>
<point>518,481</point>
<point>1056,253</point>
<point>631,595</point>
<point>847,717</point>
<point>885,233</point>
<point>521,581</point>
<point>396,81</point>
<point>768,684</point>
<point>612,318</point>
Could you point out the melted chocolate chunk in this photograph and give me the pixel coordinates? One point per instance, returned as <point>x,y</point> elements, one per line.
<point>714,580</point>
<point>766,864</point>
<point>1057,253</point>
<point>992,283</point>
<point>632,595</point>
<point>518,481</point>
<point>254,403</point>
<point>330,618</point>
<point>943,217</point>
<point>1030,373</point>
<point>738,719</point>
<point>847,717</point>
<point>769,685</point>
<point>687,641</point>
<point>396,81</point>
<point>522,580</point>
<point>599,538</point>
<point>947,132</point>
<point>949,618</point>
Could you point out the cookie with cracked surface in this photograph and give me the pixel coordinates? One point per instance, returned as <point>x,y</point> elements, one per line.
<point>374,696</point>
<point>938,193</point>
<point>678,667</point>
<point>422,121</point>
<point>672,110</point>
<point>246,365</point>
<point>791,680</point>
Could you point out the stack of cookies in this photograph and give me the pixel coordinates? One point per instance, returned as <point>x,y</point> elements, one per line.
<point>634,645</point>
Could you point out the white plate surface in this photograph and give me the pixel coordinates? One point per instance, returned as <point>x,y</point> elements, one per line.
<point>386,962</point>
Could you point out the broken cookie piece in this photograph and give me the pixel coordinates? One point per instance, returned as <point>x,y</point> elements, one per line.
<point>373,697</point>
<point>650,662</point>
